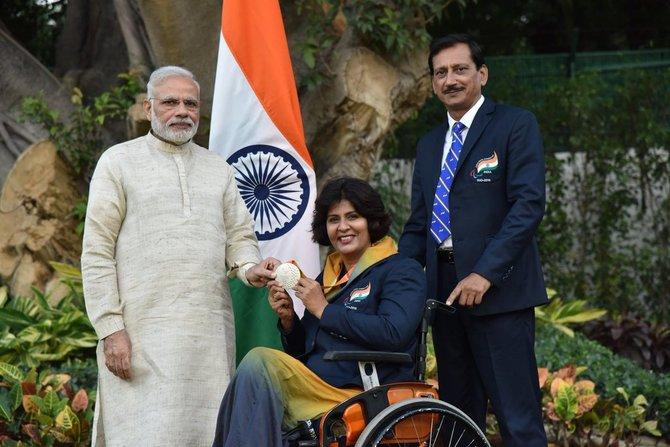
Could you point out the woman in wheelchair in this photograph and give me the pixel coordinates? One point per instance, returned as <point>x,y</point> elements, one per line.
<point>366,298</point>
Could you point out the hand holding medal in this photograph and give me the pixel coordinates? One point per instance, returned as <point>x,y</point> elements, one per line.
<point>287,275</point>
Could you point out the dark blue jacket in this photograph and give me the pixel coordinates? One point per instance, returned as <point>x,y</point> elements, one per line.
<point>379,310</point>
<point>494,215</point>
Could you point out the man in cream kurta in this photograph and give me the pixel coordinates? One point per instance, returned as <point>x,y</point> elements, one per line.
<point>164,224</point>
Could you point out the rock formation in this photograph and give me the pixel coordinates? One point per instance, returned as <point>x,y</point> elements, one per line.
<point>37,223</point>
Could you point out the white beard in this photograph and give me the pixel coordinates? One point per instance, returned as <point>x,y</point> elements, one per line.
<point>164,131</point>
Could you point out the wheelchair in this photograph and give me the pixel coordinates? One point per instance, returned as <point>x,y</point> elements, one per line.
<point>406,414</point>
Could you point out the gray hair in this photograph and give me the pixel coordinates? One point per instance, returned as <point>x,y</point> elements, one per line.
<point>161,74</point>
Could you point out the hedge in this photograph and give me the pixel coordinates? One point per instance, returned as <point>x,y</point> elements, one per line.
<point>555,349</point>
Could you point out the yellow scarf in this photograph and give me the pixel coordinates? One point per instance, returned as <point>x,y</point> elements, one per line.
<point>384,248</point>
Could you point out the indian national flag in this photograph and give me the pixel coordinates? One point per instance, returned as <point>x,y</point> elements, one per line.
<point>256,125</point>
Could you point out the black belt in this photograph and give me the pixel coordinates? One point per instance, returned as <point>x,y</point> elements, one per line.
<point>445,255</point>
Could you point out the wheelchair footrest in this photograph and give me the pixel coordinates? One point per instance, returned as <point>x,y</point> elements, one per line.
<point>304,434</point>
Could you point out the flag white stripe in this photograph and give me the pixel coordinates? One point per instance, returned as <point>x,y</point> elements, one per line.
<point>239,120</point>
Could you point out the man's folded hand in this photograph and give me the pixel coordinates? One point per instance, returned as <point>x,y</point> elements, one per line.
<point>118,351</point>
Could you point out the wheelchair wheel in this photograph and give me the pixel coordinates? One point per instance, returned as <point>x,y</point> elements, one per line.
<point>422,422</point>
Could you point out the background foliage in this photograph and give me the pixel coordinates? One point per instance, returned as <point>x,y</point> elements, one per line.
<point>36,24</point>
<point>79,137</point>
<point>608,371</point>
<point>392,28</point>
<point>606,232</point>
<point>46,367</point>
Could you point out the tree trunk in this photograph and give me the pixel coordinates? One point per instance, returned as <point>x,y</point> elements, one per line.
<point>140,52</point>
<point>181,32</point>
<point>348,119</point>
<point>90,51</point>
<point>22,75</point>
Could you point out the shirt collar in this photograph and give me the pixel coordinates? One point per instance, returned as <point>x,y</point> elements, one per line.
<point>469,116</point>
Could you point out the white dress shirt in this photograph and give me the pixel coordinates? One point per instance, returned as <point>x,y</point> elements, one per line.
<point>466,120</point>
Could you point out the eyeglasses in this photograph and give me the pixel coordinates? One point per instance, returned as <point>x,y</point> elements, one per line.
<point>172,103</point>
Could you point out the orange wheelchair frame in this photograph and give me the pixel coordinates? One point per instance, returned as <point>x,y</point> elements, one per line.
<point>407,414</point>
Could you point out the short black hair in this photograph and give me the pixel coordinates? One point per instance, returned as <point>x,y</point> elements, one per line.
<point>449,41</point>
<point>365,199</point>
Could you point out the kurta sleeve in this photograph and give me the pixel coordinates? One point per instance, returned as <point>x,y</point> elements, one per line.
<point>105,213</point>
<point>241,243</point>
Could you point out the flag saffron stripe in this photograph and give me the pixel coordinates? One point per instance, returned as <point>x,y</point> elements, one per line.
<point>266,64</point>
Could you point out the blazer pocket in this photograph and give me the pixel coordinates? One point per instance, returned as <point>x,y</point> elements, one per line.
<point>486,167</point>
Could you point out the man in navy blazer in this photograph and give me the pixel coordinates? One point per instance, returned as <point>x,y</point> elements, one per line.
<point>478,196</point>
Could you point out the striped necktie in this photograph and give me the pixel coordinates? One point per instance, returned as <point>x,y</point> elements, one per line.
<point>440,226</point>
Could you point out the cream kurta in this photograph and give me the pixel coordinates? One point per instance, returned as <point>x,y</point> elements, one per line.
<point>163,225</point>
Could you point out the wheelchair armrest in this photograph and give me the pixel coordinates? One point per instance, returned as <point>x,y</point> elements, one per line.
<point>369,356</point>
<point>432,305</point>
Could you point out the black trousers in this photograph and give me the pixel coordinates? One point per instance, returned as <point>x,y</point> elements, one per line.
<point>490,358</point>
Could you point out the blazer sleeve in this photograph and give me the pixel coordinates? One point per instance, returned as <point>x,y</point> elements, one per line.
<point>526,192</point>
<point>293,341</point>
<point>398,314</point>
<point>412,242</point>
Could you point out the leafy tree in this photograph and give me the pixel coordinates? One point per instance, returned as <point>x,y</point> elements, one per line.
<point>36,24</point>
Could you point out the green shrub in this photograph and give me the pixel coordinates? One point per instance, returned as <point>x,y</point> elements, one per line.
<point>33,331</point>
<point>605,232</point>
<point>626,421</point>
<point>42,409</point>
<point>575,414</point>
<point>560,315</point>
<point>84,372</point>
<point>646,343</point>
<point>609,371</point>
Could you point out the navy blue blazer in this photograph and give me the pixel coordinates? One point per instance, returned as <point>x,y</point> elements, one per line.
<point>379,310</point>
<point>496,202</point>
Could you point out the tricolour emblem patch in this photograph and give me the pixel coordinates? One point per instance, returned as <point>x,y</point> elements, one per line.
<point>358,295</point>
<point>485,166</point>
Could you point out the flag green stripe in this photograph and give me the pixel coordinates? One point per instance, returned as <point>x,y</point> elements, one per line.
<point>255,321</point>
